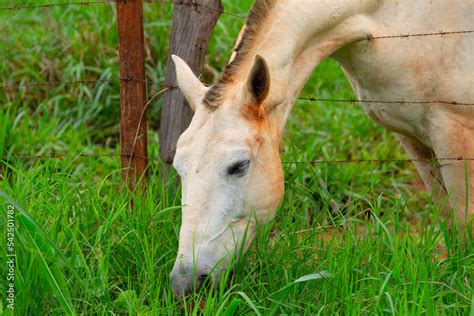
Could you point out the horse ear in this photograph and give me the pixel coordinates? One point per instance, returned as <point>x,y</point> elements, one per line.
<point>258,82</point>
<point>188,83</point>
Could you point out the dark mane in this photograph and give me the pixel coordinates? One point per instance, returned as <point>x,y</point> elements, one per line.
<point>257,16</point>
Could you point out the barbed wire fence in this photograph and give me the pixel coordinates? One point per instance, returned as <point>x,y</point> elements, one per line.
<point>130,155</point>
<point>317,161</point>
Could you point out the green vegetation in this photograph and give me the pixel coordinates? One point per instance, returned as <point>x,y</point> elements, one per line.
<point>80,248</point>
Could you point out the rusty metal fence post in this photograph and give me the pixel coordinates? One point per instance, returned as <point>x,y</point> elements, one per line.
<point>133,126</point>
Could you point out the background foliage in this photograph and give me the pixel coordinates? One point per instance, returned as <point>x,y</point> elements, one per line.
<point>79,248</point>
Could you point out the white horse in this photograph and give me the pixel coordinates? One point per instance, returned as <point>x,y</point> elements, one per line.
<point>228,158</point>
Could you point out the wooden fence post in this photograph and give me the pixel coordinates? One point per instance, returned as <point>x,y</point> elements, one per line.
<point>133,126</point>
<point>193,23</point>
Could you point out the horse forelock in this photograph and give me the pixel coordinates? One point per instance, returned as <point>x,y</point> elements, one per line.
<point>256,18</point>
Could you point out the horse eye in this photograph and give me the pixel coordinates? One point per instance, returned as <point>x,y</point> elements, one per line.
<point>239,168</point>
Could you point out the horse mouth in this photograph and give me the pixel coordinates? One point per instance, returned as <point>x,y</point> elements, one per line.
<point>204,283</point>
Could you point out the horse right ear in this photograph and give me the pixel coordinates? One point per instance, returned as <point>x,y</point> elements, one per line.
<point>188,83</point>
<point>258,82</point>
<point>256,90</point>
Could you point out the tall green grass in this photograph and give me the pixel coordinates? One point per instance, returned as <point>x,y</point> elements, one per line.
<point>81,249</point>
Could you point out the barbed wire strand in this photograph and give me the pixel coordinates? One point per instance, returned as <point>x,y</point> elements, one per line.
<point>321,161</point>
<point>72,156</point>
<point>49,5</point>
<point>401,102</point>
<point>52,83</point>
<point>240,16</point>
<point>311,99</point>
<point>342,161</point>
<point>408,35</point>
<point>72,82</point>
<point>83,3</point>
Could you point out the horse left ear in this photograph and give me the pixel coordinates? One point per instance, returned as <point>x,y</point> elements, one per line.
<point>258,82</point>
<point>188,83</point>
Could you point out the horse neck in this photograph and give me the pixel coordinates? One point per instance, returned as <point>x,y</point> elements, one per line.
<point>297,37</point>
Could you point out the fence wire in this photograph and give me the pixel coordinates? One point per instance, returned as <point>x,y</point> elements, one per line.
<point>75,82</point>
<point>222,11</point>
<point>316,161</point>
<point>306,98</point>
<point>313,162</point>
<point>83,3</point>
<point>399,102</point>
<point>50,5</point>
<point>408,35</point>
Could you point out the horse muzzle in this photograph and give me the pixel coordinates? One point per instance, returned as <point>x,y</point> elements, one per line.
<point>186,279</point>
